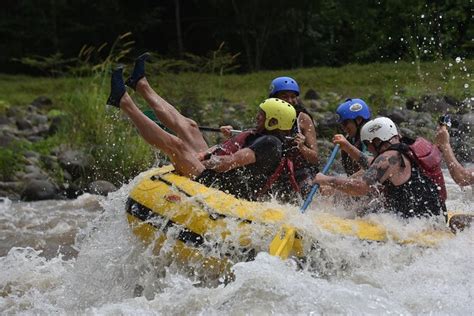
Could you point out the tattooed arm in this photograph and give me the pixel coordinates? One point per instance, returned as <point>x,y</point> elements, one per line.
<point>377,173</point>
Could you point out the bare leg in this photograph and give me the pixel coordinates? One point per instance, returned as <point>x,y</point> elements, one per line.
<point>186,129</point>
<point>182,156</point>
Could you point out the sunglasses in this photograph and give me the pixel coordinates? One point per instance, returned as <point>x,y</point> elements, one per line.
<point>374,142</point>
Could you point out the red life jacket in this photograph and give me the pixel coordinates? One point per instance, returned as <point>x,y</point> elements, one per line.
<point>237,142</point>
<point>233,144</point>
<point>428,157</point>
<point>286,164</point>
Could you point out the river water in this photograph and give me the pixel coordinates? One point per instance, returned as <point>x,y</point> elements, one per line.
<point>80,257</point>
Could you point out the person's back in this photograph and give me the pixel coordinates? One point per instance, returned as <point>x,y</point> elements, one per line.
<point>416,196</point>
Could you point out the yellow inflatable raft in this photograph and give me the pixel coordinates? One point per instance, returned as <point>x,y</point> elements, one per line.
<point>208,228</point>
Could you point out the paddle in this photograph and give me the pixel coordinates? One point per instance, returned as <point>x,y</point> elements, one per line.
<point>151,115</point>
<point>315,187</point>
<point>282,244</point>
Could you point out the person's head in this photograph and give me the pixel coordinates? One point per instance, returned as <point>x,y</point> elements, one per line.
<point>352,115</point>
<point>285,88</point>
<point>378,134</point>
<point>275,115</point>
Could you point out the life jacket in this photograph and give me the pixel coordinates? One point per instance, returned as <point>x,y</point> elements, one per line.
<point>233,144</point>
<point>427,156</point>
<point>237,142</point>
<point>286,164</point>
<point>351,166</point>
<point>415,197</point>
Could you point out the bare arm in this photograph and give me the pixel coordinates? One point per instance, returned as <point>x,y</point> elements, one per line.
<point>240,158</point>
<point>462,176</point>
<point>362,159</point>
<point>306,140</point>
<point>377,173</point>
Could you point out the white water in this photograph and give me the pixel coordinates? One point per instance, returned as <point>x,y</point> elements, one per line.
<point>79,257</point>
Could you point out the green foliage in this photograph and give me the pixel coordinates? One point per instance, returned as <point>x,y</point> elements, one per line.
<point>54,64</point>
<point>8,163</point>
<point>11,159</point>
<point>55,113</point>
<point>218,62</point>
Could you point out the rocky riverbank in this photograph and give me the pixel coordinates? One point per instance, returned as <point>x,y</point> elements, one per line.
<point>34,175</point>
<point>64,172</point>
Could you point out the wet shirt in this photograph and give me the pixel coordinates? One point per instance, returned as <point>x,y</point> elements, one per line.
<point>419,196</point>
<point>245,182</point>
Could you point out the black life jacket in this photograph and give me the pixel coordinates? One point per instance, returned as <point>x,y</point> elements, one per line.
<point>426,156</point>
<point>424,193</point>
<point>416,197</point>
<point>351,166</point>
<point>286,164</point>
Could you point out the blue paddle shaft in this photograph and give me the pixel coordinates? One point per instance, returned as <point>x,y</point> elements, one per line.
<point>315,187</point>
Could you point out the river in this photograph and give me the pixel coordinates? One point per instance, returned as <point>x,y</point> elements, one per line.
<point>80,257</point>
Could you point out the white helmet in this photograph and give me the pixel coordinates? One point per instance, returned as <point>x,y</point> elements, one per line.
<point>382,128</point>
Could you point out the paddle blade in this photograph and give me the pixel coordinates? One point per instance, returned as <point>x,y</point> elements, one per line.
<point>282,244</point>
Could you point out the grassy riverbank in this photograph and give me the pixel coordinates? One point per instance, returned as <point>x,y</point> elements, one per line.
<point>118,151</point>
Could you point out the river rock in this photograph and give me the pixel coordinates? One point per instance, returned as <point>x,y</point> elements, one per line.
<point>36,190</point>
<point>37,119</point>
<point>75,162</point>
<point>14,111</point>
<point>33,172</point>
<point>23,124</point>
<point>42,102</point>
<point>407,132</point>
<point>4,120</point>
<point>6,139</point>
<point>316,105</point>
<point>311,94</point>
<point>412,103</point>
<point>101,187</point>
<point>54,125</point>
<point>398,116</point>
<point>31,154</point>
<point>431,103</point>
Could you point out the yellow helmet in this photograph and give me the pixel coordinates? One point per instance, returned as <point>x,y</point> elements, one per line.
<point>280,110</point>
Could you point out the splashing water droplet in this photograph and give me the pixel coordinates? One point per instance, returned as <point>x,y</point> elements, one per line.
<point>458,60</point>
<point>466,86</point>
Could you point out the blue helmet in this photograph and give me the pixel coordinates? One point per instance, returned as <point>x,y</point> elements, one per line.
<point>352,109</point>
<point>283,84</point>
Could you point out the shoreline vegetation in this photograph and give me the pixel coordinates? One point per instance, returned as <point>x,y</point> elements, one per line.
<point>115,152</point>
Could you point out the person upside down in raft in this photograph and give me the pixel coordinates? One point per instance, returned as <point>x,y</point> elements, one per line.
<point>242,173</point>
<point>300,150</point>
<point>408,188</point>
